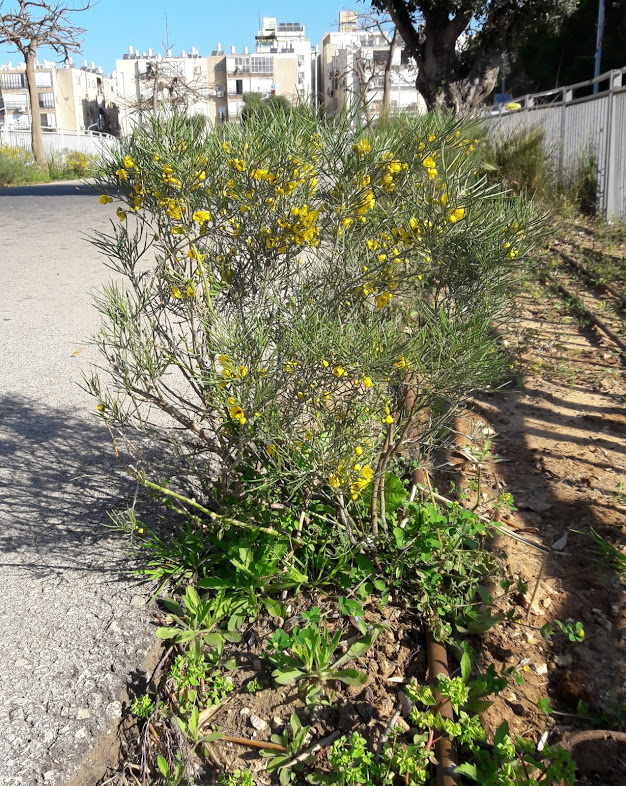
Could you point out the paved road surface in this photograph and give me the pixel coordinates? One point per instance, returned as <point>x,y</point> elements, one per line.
<point>73,631</point>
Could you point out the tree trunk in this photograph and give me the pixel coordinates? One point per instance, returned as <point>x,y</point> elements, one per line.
<point>35,116</point>
<point>387,84</point>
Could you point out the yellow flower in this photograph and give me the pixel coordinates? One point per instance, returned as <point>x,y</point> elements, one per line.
<point>128,162</point>
<point>167,169</point>
<point>362,147</point>
<point>432,138</point>
<point>226,146</point>
<point>122,174</point>
<point>176,292</point>
<point>121,214</point>
<point>367,382</point>
<point>338,371</point>
<point>367,472</point>
<point>189,291</point>
<point>401,363</point>
<point>271,450</point>
<point>333,481</point>
<point>235,411</point>
<point>429,162</point>
<point>358,450</point>
<point>388,419</point>
<point>457,214</point>
<point>383,299</point>
<point>200,216</point>
<point>101,407</point>
<point>432,173</point>
<point>104,199</point>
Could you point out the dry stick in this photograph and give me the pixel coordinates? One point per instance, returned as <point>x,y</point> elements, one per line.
<point>141,477</point>
<point>590,274</point>
<point>537,582</point>
<point>272,746</point>
<point>313,749</point>
<point>589,314</point>
<point>385,735</point>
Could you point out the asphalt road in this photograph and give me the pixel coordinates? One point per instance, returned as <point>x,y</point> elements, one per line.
<point>73,629</point>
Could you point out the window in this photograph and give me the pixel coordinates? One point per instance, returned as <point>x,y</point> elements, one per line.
<point>404,57</point>
<point>221,66</point>
<point>43,78</point>
<point>261,65</point>
<point>380,56</point>
<point>15,100</point>
<point>46,100</point>
<point>49,120</point>
<point>197,69</point>
<point>239,87</point>
<point>13,81</point>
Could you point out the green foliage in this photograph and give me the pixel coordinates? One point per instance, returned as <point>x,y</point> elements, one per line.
<point>292,739</point>
<point>521,162</point>
<point>507,762</point>
<point>310,391</point>
<point>18,167</point>
<point>142,706</point>
<point>311,663</point>
<point>456,43</point>
<point>71,165</point>
<point>194,623</point>
<point>438,561</point>
<point>238,778</point>
<point>608,554</point>
<point>353,763</point>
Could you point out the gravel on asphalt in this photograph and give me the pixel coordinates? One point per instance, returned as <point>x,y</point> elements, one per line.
<point>74,627</point>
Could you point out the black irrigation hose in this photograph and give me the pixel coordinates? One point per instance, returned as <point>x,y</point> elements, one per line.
<point>593,318</point>
<point>591,275</point>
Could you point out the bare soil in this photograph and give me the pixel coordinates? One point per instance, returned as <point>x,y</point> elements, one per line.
<point>557,445</point>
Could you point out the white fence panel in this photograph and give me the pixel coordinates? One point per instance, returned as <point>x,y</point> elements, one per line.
<point>56,142</point>
<point>576,129</point>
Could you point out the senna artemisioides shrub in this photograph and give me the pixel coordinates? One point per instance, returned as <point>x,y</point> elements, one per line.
<point>301,305</point>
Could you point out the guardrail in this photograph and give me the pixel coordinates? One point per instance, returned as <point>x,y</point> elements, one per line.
<point>578,123</point>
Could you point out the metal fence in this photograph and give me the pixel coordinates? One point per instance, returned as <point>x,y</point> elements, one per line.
<point>579,125</point>
<point>60,141</point>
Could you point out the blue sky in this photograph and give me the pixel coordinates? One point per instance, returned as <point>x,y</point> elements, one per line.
<point>113,25</point>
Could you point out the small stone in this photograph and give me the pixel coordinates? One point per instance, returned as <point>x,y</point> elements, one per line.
<point>546,603</point>
<point>244,711</point>
<point>49,776</point>
<point>563,661</point>
<point>540,669</point>
<point>258,723</point>
<point>81,734</point>
<point>277,722</point>
<point>21,662</point>
<point>114,710</point>
<point>82,714</point>
<point>257,664</point>
<point>518,708</point>
<point>406,705</point>
<point>137,600</point>
<point>615,610</point>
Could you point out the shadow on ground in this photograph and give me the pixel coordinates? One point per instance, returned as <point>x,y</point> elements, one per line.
<point>71,188</point>
<point>59,477</point>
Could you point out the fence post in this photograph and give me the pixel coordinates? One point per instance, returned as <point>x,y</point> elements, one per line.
<point>611,208</point>
<point>566,96</point>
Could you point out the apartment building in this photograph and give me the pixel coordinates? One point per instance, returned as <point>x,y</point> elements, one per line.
<point>69,97</point>
<point>149,82</point>
<point>352,66</point>
<point>288,38</point>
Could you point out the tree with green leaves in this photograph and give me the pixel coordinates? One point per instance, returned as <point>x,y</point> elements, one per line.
<point>458,45</point>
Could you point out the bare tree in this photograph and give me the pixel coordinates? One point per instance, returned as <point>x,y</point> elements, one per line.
<point>371,70</point>
<point>34,23</point>
<point>163,85</point>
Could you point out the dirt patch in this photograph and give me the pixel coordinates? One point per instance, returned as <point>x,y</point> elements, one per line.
<point>556,444</point>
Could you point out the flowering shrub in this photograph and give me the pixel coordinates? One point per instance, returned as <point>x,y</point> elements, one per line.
<point>305,305</point>
<point>18,166</point>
